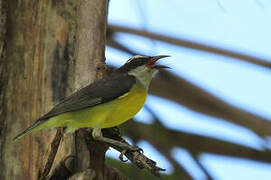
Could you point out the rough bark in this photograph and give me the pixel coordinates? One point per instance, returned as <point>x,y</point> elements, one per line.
<point>90,50</point>
<point>47,47</point>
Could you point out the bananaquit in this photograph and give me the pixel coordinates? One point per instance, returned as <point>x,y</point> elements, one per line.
<point>105,103</point>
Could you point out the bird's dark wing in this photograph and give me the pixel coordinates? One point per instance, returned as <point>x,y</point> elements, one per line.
<point>96,93</point>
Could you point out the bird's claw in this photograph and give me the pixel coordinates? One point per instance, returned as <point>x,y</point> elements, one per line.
<point>140,150</point>
<point>132,148</point>
<point>121,156</point>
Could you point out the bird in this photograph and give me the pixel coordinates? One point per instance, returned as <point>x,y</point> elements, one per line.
<point>104,103</point>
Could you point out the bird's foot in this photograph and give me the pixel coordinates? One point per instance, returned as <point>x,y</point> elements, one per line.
<point>125,147</point>
<point>130,149</point>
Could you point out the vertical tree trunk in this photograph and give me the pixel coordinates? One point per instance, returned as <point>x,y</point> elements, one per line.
<point>48,49</point>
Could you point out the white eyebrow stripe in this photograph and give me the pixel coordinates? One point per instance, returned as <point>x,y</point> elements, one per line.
<point>136,56</point>
<point>139,56</point>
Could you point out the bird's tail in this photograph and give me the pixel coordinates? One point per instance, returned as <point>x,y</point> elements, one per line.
<point>30,129</point>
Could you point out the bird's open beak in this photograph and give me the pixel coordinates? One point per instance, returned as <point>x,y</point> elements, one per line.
<point>154,59</point>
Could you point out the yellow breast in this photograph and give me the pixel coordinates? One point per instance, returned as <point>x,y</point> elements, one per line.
<point>126,106</point>
<point>109,114</point>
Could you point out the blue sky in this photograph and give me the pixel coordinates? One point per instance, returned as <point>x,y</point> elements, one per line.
<point>243,26</point>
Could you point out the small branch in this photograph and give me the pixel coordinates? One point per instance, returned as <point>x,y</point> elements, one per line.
<point>54,147</point>
<point>137,158</point>
<point>142,162</point>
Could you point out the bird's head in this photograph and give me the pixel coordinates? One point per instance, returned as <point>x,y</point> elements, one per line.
<point>142,67</point>
<point>142,63</point>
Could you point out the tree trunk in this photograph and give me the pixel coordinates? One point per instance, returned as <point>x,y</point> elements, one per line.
<point>48,49</point>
